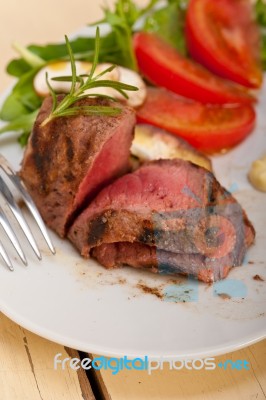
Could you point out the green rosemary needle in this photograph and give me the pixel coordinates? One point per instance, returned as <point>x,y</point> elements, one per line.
<point>79,84</point>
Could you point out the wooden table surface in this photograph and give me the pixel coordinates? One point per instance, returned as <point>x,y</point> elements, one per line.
<point>26,360</point>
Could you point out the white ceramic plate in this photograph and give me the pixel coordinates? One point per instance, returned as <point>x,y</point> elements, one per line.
<point>79,304</point>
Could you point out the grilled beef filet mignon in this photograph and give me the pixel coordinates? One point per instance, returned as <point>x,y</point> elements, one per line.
<point>70,160</point>
<point>173,215</point>
<point>138,255</point>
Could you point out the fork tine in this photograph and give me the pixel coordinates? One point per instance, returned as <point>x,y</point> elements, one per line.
<point>18,215</point>
<point>5,257</point>
<point>11,235</point>
<point>4,164</point>
<point>32,208</point>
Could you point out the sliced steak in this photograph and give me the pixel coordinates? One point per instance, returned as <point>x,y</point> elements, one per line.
<point>138,255</point>
<point>69,160</point>
<point>173,206</point>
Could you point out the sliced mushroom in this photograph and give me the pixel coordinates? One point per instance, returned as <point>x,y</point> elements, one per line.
<point>151,143</point>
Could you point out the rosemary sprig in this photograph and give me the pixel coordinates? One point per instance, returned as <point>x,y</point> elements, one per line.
<point>79,85</point>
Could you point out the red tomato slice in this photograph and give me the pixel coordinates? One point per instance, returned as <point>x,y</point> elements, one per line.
<point>207,127</point>
<point>162,65</point>
<point>223,37</point>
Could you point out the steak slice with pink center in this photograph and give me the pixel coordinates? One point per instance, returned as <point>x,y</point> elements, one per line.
<point>69,160</point>
<point>172,206</point>
<point>138,255</point>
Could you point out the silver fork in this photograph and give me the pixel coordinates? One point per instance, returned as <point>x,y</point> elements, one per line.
<point>4,222</point>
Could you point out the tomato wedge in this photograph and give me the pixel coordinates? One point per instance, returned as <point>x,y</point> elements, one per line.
<point>162,65</point>
<point>223,37</point>
<point>207,127</point>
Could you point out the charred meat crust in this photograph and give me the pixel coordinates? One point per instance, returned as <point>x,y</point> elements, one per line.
<point>61,155</point>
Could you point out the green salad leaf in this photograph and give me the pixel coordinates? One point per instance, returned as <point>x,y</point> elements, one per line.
<point>121,21</point>
<point>126,18</point>
<point>169,23</point>
<point>23,98</point>
<point>23,124</point>
<point>17,67</point>
<point>260,8</point>
<point>260,11</point>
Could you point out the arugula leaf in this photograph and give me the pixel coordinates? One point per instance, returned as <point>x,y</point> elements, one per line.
<point>23,98</point>
<point>260,12</point>
<point>169,23</point>
<point>21,107</point>
<point>12,108</point>
<point>22,123</point>
<point>121,21</point>
<point>17,67</point>
<point>260,9</point>
<point>23,138</point>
